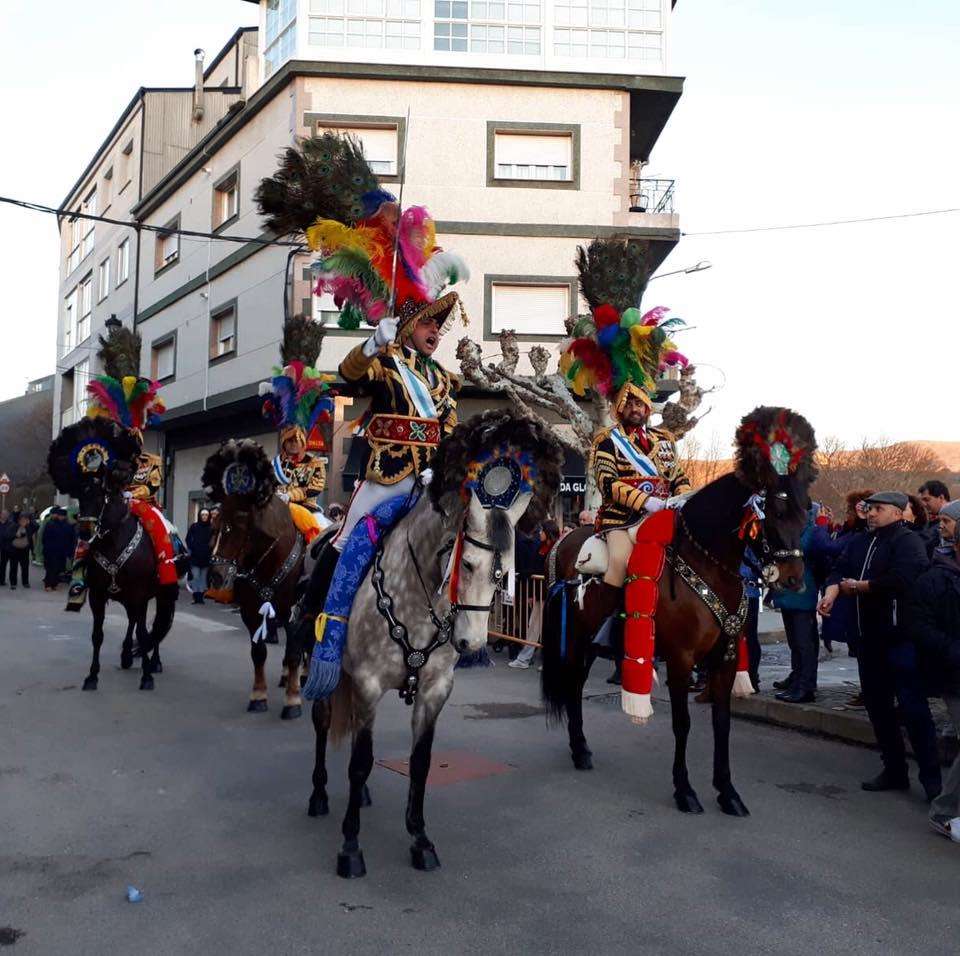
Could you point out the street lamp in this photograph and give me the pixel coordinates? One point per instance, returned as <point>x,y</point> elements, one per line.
<point>701,266</point>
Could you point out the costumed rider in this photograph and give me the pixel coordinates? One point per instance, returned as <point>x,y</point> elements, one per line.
<point>298,400</point>
<point>620,353</point>
<point>382,266</point>
<point>131,401</point>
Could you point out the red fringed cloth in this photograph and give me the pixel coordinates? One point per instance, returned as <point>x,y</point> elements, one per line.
<point>642,588</point>
<point>149,517</point>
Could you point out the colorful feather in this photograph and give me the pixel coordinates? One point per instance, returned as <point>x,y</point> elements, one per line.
<point>443,269</point>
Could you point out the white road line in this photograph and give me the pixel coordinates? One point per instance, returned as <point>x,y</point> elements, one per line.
<point>202,624</point>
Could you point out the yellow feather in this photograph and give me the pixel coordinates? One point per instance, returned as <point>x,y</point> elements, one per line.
<point>328,235</point>
<point>129,381</point>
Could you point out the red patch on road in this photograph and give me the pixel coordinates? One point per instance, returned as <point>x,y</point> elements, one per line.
<point>452,766</point>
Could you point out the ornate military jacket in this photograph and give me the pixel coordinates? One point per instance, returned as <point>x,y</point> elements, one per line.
<point>148,478</point>
<point>303,481</point>
<point>622,485</point>
<point>400,440</point>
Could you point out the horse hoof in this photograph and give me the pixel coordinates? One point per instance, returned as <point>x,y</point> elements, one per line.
<point>146,683</point>
<point>318,806</point>
<point>283,681</point>
<point>583,760</point>
<point>126,661</point>
<point>257,707</point>
<point>291,712</point>
<point>271,639</point>
<point>688,802</point>
<point>90,683</point>
<point>158,668</point>
<point>424,858</point>
<point>303,681</point>
<point>365,800</point>
<point>350,865</point>
<point>732,805</point>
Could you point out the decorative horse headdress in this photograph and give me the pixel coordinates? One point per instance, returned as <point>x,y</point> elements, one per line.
<point>775,447</point>
<point>325,190</point>
<point>121,394</point>
<point>239,468</point>
<point>616,350</point>
<point>93,449</point>
<point>298,396</point>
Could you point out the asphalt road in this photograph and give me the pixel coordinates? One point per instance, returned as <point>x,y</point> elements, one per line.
<point>200,805</point>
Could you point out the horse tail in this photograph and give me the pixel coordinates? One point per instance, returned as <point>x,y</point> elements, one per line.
<point>163,618</point>
<point>342,712</point>
<point>559,676</point>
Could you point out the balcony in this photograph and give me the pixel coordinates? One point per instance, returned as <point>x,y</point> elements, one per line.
<point>651,204</point>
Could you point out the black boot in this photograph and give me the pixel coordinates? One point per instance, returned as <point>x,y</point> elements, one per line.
<point>886,780</point>
<point>315,596</point>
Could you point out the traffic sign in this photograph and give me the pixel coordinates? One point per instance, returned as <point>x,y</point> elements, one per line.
<point>4,485</point>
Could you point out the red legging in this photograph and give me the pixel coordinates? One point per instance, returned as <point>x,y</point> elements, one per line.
<point>148,516</point>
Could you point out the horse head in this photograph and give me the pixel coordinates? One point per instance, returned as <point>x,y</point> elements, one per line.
<point>239,478</point>
<point>775,459</point>
<point>492,474</point>
<point>93,461</point>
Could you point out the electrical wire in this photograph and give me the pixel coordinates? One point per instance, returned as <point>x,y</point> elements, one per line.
<point>816,225</point>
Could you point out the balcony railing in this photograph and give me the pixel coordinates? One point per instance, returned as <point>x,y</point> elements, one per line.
<point>651,195</point>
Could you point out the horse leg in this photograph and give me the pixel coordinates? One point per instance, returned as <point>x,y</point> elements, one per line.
<point>580,753</point>
<point>126,649</point>
<point>721,685</point>
<point>683,794</point>
<point>292,702</point>
<point>156,665</point>
<point>429,703</point>
<point>145,640</point>
<point>98,605</point>
<point>258,694</point>
<point>350,858</point>
<point>318,805</point>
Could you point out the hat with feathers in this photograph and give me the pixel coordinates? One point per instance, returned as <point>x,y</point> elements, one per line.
<point>617,350</point>
<point>325,190</point>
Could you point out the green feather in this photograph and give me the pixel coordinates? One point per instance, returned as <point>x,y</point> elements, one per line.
<point>349,317</point>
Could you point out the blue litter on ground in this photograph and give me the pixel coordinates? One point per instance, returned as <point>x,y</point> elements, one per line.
<point>134,895</point>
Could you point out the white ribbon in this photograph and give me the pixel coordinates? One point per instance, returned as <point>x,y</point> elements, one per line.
<point>416,389</point>
<point>267,613</point>
<point>757,502</point>
<point>633,454</point>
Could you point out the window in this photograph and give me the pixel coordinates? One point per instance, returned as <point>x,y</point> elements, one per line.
<point>529,308</point>
<point>167,248</point>
<point>226,198</point>
<point>543,157</point>
<point>163,358</point>
<point>103,280</point>
<point>379,144</point>
<point>637,35</point>
<point>89,207</point>
<point>74,235</point>
<point>105,189</point>
<point>70,321</point>
<point>487,26</point>
<point>85,307</point>
<point>223,332</point>
<point>126,166</point>
<point>366,24</point>
<point>123,262</point>
<point>325,310</point>
<point>81,379</point>
<point>280,37</point>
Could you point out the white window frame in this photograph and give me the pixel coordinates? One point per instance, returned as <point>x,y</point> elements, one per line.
<point>217,338</point>
<point>81,379</point>
<point>554,329</point>
<point>103,279</point>
<point>167,251</point>
<point>280,34</point>
<point>70,304</point>
<point>123,262</point>
<point>226,198</point>
<point>84,307</point>
<point>156,350</point>
<point>87,226</point>
<point>75,237</point>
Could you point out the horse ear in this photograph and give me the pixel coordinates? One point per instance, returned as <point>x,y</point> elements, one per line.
<point>520,504</point>
<point>475,516</point>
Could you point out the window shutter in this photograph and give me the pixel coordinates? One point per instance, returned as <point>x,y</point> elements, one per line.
<point>527,149</point>
<point>530,309</point>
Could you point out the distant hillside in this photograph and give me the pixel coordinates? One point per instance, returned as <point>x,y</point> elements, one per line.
<point>24,442</point>
<point>947,451</point>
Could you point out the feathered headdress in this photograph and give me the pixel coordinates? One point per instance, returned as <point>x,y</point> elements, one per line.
<point>616,350</point>
<point>92,449</point>
<point>121,394</point>
<point>774,444</point>
<point>326,190</point>
<point>297,397</point>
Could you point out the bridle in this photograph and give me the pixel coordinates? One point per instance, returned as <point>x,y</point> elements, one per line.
<point>415,658</point>
<point>768,556</point>
<point>112,568</point>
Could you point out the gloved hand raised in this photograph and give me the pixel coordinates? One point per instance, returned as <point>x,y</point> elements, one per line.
<point>383,335</point>
<point>654,504</point>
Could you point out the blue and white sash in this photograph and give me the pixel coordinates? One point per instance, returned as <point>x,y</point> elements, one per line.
<point>633,454</point>
<point>282,477</point>
<point>416,389</point>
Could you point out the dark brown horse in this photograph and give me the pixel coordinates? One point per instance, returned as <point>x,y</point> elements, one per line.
<point>257,563</point>
<point>94,461</point>
<point>709,541</point>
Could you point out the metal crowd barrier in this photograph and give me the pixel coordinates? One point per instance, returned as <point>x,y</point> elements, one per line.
<point>518,620</point>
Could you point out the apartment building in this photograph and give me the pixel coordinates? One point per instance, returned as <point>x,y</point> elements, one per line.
<point>523,128</point>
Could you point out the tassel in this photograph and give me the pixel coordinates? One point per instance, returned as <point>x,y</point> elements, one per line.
<point>742,685</point>
<point>637,706</point>
<point>479,658</point>
<point>323,677</point>
<point>267,614</point>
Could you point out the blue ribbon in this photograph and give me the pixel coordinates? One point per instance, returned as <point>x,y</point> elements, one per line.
<point>560,587</point>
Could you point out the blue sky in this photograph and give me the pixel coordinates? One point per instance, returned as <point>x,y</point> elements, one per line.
<point>791,113</point>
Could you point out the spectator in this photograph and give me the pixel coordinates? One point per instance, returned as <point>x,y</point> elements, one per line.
<point>881,581</point>
<point>934,624</point>
<point>948,522</point>
<point>199,539</point>
<point>933,496</point>
<point>335,513</point>
<point>18,538</point>
<point>58,544</point>
<point>587,518</point>
<point>5,521</point>
<point>547,535</point>
<point>752,574</point>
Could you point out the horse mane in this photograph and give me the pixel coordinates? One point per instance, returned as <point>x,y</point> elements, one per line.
<point>245,454</point>
<point>526,439</point>
<point>121,445</point>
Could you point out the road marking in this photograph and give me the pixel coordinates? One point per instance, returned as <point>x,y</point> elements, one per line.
<point>63,637</point>
<point>195,620</point>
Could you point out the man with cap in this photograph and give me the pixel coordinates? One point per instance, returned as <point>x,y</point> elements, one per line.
<point>947,525</point>
<point>881,583</point>
<point>935,496</point>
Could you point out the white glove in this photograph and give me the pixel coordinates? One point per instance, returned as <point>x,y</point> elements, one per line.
<point>654,504</point>
<point>426,476</point>
<point>383,335</point>
<point>283,495</point>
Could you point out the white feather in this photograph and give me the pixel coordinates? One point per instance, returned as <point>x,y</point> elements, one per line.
<point>442,268</point>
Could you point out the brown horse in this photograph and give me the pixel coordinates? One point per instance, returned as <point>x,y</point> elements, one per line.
<point>257,562</point>
<point>709,541</point>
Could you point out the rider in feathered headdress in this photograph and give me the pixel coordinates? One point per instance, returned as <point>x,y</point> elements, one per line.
<point>298,399</point>
<point>122,395</point>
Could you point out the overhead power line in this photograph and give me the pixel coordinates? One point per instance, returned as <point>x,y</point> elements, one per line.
<point>815,225</point>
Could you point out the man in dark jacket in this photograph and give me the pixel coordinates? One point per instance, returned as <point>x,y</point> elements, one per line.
<point>934,495</point>
<point>934,623</point>
<point>895,557</point>
<point>58,544</point>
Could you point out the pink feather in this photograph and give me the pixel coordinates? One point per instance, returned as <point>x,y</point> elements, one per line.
<point>654,316</point>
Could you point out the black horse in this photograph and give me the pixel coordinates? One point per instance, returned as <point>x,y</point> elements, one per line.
<point>94,461</point>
